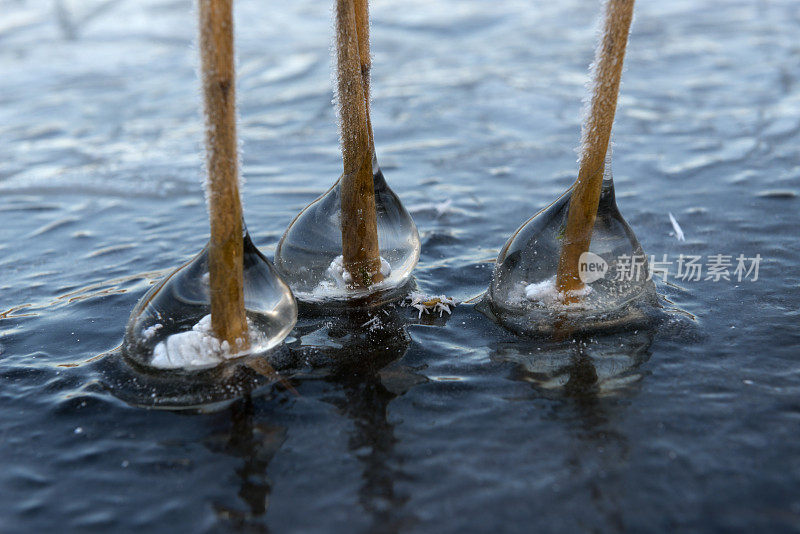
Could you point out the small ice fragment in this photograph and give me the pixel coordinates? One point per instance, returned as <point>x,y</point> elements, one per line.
<point>374,323</point>
<point>439,208</point>
<point>677,228</point>
<point>443,207</point>
<point>425,304</point>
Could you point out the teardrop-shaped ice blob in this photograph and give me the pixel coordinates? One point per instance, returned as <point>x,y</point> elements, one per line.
<point>170,326</point>
<point>309,254</point>
<point>618,290</point>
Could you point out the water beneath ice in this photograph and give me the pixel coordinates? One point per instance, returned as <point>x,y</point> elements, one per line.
<point>446,424</point>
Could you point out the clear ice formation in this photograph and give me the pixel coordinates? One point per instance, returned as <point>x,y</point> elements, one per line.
<point>308,252</point>
<point>170,326</point>
<point>522,293</point>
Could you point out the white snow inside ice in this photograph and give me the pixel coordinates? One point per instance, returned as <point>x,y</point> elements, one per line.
<point>341,278</point>
<point>150,331</point>
<point>194,349</point>
<point>546,293</point>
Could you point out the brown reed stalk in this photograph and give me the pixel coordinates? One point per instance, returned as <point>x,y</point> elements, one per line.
<point>362,28</point>
<point>359,220</point>
<point>225,250</point>
<point>594,145</point>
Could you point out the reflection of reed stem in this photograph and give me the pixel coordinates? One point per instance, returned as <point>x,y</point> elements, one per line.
<point>359,220</point>
<point>226,249</point>
<point>594,144</point>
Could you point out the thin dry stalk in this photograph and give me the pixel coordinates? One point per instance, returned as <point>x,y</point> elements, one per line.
<point>362,28</point>
<point>359,220</point>
<point>594,145</point>
<point>226,249</point>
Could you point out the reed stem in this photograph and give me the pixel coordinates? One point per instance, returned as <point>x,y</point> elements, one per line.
<point>362,28</point>
<point>226,249</point>
<point>359,220</point>
<point>594,145</point>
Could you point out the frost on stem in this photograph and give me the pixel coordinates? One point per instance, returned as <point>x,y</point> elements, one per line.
<point>595,135</point>
<point>604,80</point>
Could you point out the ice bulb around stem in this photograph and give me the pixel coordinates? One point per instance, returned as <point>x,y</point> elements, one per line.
<point>309,254</point>
<point>170,326</point>
<point>618,289</point>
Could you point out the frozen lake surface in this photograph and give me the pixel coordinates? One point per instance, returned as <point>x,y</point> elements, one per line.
<point>445,425</point>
